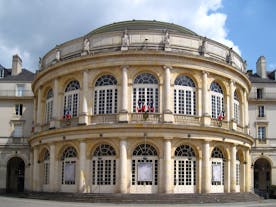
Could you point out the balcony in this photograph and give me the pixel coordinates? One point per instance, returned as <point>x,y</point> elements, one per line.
<point>143,118</point>
<point>13,141</point>
<point>16,93</point>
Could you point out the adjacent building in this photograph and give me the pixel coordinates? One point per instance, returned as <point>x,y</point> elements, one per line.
<point>16,116</point>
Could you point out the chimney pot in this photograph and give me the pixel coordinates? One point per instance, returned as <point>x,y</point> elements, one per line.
<point>16,65</point>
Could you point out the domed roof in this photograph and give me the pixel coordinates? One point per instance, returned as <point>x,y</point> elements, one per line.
<point>142,25</point>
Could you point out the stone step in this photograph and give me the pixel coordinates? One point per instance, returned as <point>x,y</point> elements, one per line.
<point>142,198</point>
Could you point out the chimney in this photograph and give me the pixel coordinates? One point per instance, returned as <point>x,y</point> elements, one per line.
<point>16,65</point>
<point>261,67</point>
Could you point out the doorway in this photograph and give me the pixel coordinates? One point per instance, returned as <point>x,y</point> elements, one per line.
<point>262,177</point>
<point>15,175</point>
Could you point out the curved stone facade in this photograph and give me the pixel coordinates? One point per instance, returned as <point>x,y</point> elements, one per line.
<point>141,107</point>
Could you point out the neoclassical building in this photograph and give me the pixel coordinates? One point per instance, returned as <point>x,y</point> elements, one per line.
<point>141,107</point>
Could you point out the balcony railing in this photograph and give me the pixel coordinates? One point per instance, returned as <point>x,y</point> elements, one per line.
<point>145,117</point>
<point>187,120</point>
<point>149,118</point>
<point>107,118</point>
<point>16,93</point>
<point>13,140</point>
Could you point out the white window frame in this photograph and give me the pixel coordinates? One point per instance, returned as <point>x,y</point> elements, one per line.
<point>71,102</point>
<point>2,73</point>
<point>20,88</point>
<point>18,130</point>
<point>182,105</point>
<point>237,111</point>
<point>261,133</point>
<point>19,108</point>
<point>49,108</point>
<point>46,168</point>
<point>101,104</point>
<point>261,111</point>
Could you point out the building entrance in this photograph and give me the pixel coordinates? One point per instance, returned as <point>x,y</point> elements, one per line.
<point>15,175</point>
<point>262,176</point>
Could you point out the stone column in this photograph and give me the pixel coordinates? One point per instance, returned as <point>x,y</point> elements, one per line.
<point>199,102</point>
<point>83,119</point>
<point>245,109</point>
<point>123,166</point>
<point>123,116</point>
<point>55,123</point>
<point>199,175</point>
<point>205,100</point>
<point>226,176</point>
<point>206,168</point>
<point>167,171</point>
<point>35,170</point>
<point>233,153</point>
<point>168,116</point>
<point>38,112</point>
<point>53,173</point>
<point>248,171</point>
<point>82,184</point>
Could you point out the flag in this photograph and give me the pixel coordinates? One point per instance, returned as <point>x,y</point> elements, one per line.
<point>151,106</point>
<point>139,106</point>
<point>67,114</point>
<point>221,116</point>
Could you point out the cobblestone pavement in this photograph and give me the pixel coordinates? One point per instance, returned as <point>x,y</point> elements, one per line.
<point>23,202</point>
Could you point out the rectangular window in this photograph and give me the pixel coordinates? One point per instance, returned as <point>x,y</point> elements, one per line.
<point>261,133</point>
<point>18,109</point>
<point>20,89</point>
<point>259,93</point>
<point>2,73</point>
<point>18,130</point>
<point>261,111</point>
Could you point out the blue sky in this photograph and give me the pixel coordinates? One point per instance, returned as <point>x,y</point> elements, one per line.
<point>251,26</point>
<point>30,28</point>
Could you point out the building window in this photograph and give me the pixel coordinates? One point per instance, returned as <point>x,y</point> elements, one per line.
<point>18,109</point>
<point>261,111</point>
<point>71,99</point>
<point>217,167</point>
<point>20,89</point>
<point>18,130</point>
<point>105,96</point>
<point>238,169</point>
<point>184,166</point>
<point>46,164</point>
<point>144,165</point>
<point>49,106</point>
<point>2,73</point>
<point>216,100</point>
<point>69,158</point>
<point>236,108</point>
<point>145,93</point>
<point>259,93</point>
<point>104,165</point>
<point>184,96</point>
<point>261,133</point>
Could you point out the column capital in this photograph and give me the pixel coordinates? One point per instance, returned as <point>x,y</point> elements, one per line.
<point>125,67</point>
<point>167,138</point>
<point>204,72</point>
<point>167,67</point>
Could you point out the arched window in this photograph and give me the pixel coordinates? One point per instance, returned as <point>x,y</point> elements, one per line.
<point>69,159</point>
<point>145,93</point>
<point>184,96</point>
<point>217,168</point>
<point>49,105</point>
<point>46,165</point>
<point>144,165</point>
<point>184,169</point>
<point>216,100</point>
<point>71,99</point>
<point>236,108</point>
<point>105,96</point>
<point>104,165</point>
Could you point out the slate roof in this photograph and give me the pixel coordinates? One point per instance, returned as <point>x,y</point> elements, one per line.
<point>255,78</point>
<point>25,75</point>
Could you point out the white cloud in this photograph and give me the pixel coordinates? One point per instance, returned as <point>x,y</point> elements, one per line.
<point>34,28</point>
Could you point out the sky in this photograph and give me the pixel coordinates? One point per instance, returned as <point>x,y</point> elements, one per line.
<point>31,28</point>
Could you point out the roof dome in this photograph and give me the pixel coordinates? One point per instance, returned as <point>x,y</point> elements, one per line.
<point>142,25</point>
